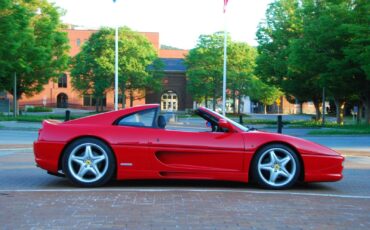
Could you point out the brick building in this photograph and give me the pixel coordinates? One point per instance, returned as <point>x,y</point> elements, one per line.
<point>172,96</point>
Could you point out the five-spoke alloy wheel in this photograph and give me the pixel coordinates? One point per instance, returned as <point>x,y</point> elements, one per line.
<point>276,167</point>
<point>88,162</point>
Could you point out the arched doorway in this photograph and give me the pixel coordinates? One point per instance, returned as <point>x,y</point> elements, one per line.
<point>62,100</point>
<point>169,101</point>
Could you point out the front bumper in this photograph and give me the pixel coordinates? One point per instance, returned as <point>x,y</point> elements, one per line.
<point>321,168</point>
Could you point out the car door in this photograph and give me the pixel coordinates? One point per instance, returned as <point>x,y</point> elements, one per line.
<point>131,143</point>
<point>175,151</point>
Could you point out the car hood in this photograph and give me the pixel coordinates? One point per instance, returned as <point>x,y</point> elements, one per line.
<point>255,139</point>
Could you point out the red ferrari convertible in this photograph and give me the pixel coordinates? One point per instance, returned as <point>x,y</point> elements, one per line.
<point>135,143</point>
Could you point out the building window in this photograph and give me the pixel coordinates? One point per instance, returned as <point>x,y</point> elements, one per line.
<point>78,42</point>
<point>90,100</point>
<point>169,101</point>
<point>62,81</point>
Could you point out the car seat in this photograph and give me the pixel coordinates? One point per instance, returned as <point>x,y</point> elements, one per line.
<point>161,121</point>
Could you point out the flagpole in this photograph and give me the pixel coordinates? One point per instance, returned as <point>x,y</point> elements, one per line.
<point>116,68</point>
<point>224,74</point>
<point>116,72</point>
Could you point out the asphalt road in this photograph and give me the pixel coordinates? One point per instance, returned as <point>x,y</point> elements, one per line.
<point>33,199</point>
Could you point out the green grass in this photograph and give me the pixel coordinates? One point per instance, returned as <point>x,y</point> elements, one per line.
<point>262,122</point>
<point>35,118</point>
<point>235,115</point>
<point>343,130</point>
<point>312,124</point>
<point>39,109</point>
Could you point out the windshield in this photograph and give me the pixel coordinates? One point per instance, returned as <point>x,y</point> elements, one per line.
<point>245,129</point>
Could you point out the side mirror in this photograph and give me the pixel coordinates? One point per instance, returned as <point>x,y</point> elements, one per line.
<point>225,125</point>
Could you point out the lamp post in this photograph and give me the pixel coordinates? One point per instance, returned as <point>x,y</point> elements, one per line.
<point>224,68</point>
<point>116,69</point>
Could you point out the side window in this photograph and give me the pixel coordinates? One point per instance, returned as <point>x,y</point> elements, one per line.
<point>139,119</point>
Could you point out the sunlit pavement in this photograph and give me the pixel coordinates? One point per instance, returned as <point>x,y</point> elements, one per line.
<point>30,198</point>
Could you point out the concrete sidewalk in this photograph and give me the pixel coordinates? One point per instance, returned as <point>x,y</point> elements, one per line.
<point>18,125</point>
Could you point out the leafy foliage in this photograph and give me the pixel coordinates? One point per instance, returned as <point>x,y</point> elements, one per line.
<point>310,44</point>
<point>34,45</point>
<point>205,70</point>
<point>93,68</point>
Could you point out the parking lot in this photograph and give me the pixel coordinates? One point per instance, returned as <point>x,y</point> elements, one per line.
<point>33,199</point>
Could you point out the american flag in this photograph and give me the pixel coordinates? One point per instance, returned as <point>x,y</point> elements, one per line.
<point>225,4</point>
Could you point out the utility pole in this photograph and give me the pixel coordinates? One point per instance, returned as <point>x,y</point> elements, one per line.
<point>15,96</point>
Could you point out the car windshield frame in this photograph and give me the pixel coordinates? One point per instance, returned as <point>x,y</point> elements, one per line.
<point>234,123</point>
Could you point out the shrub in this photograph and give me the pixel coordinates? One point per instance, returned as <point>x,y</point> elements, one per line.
<point>39,109</point>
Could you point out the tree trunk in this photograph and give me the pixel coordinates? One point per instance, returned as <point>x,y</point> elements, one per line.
<point>316,103</point>
<point>101,105</point>
<point>340,111</point>
<point>123,92</point>
<point>367,109</point>
<point>206,101</point>
<point>234,102</point>
<point>265,108</point>
<point>131,98</point>
<point>97,104</point>
<point>214,103</point>
<point>239,101</point>
<point>359,113</point>
<point>301,108</point>
<point>214,100</point>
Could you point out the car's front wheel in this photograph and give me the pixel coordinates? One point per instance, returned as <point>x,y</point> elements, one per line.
<point>88,162</point>
<point>276,166</point>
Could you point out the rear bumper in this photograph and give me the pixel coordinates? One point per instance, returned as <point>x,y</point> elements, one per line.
<point>323,168</point>
<point>47,154</point>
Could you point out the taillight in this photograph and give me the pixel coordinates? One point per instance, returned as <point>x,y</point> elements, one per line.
<point>39,133</point>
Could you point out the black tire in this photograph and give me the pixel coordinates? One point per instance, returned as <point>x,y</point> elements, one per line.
<point>88,162</point>
<point>279,172</point>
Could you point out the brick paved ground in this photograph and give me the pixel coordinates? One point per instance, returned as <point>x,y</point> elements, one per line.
<point>179,210</point>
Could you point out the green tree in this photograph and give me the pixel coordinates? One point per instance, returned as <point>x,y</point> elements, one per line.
<point>319,53</point>
<point>338,76</point>
<point>358,50</point>
<point>307,45</point>
<point>276,64</point>
<point>34,45</point>
<point>240,70</point>
<point>264,93</point>
<point>205,67</point>
<point>93,68</point>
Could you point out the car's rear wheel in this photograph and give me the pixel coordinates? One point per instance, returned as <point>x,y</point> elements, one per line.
<point>88,162</point>
<point>276,166</point>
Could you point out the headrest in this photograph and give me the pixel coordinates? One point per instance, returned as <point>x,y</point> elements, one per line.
<point>161,121</point>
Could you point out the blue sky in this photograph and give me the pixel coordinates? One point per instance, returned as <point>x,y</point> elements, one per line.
<point>179,22</point>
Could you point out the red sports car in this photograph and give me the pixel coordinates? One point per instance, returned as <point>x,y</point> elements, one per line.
<point>134,143</point>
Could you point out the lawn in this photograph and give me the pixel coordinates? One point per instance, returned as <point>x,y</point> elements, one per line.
<point>343,130</point>
<point>37,118</point>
